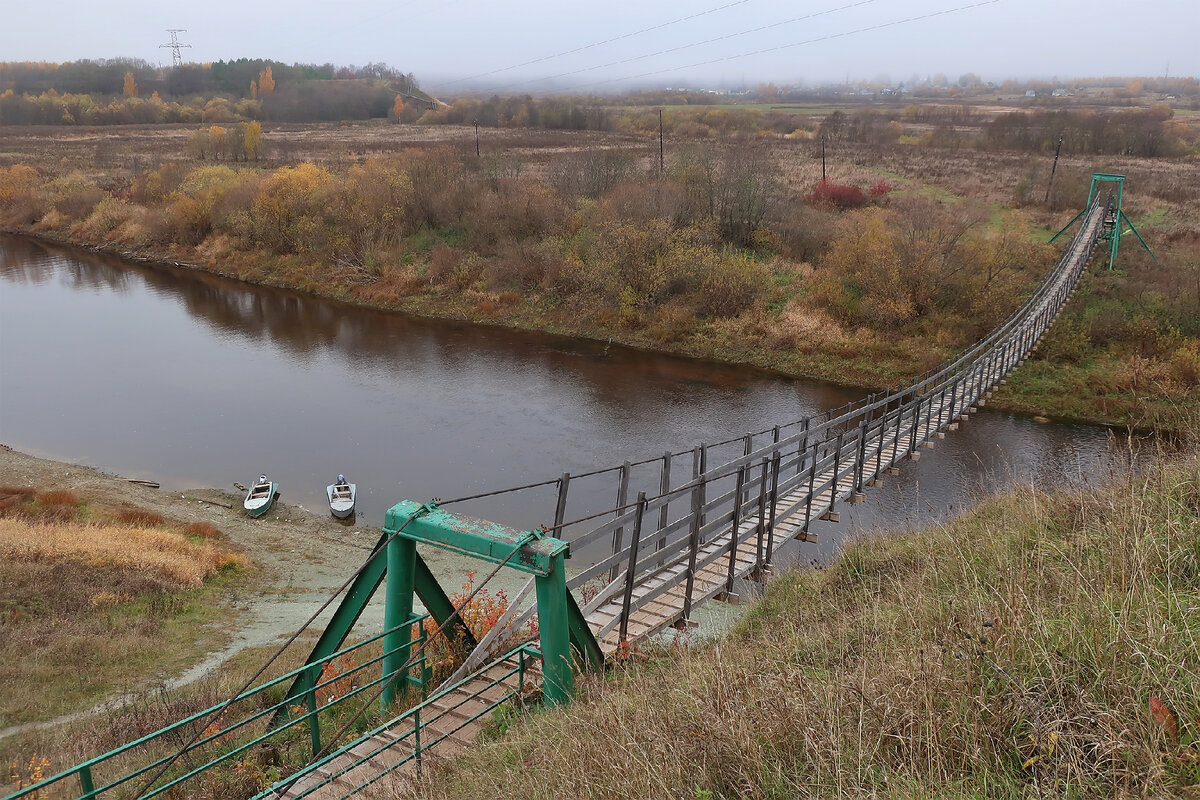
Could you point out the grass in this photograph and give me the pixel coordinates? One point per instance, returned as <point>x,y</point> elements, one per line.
<point>1044,644</point>
<point>99,600</point>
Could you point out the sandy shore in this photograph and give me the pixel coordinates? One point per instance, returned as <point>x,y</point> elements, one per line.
<point>303,556</point>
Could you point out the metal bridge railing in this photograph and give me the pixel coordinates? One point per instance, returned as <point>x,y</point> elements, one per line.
<point>793,473</point>
<point>399,742</point>
<point>242,725</point>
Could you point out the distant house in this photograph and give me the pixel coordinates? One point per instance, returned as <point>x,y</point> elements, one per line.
<point>1063,93</point>
<point>1031,93</point>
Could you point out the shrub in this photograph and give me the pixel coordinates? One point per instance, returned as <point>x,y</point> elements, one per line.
<point>729,285</point>
<point>74,196</point>
<point>204,530</point>
<point>110,214</point>
<point>21,197</point>
<point>139,516</point>
<point>826,192</point>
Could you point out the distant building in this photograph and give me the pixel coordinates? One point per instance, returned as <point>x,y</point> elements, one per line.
<point>1031,93</point>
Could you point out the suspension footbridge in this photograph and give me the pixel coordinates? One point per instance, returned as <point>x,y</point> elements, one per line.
<point>687,527</point>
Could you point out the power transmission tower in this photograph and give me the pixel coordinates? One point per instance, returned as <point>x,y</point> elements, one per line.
<point>175,44</point>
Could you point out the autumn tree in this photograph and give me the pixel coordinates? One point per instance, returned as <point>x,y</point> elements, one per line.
<point>253,90</point>
<point>252,139</point>
<point>266,82</point>
<point>130,89</point>
<point>397,108</point>
<point>218,140</point>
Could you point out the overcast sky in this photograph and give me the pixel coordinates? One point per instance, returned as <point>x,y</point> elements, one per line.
<point>445,41</point>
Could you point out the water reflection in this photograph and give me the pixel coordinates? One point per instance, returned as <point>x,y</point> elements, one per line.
<point>192,379</point>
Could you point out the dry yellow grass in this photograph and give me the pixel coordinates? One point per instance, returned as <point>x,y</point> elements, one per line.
<point>164,554</point>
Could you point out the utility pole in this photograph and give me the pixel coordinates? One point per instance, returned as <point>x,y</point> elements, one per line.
<point>822,158</point>
<point>661,165</point>
<point>476,137</point>
<point>1053,169</point>
<point>175,44</point>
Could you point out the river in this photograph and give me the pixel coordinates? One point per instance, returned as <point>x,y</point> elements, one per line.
<point>190,379</point>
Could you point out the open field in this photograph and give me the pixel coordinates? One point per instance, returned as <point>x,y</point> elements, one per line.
<point>556,230</point>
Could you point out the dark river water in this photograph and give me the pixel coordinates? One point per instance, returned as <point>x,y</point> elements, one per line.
<point>193,380</point>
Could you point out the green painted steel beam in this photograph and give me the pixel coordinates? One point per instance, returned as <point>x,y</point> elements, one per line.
<point>477,538</point>
<point>1139,236</point>
<point>357,596</point>
<point>558,678</point>
<point>1074,219</point>
<point>582,638</point>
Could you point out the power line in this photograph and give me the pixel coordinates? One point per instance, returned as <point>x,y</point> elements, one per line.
<point>580,49</point>
<point>814,40</point>
<point>665,51</point>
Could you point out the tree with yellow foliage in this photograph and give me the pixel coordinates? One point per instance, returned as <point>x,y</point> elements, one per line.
<point>252,139</point>
<point>266,82</point>
<point>218,140</point>
<point>253,90</point>
<point>397,108</point>
<point>130,89</point>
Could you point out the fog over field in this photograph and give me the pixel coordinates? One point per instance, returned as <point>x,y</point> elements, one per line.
<point>531,44</point>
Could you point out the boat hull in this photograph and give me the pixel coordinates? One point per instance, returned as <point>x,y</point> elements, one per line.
<point>258,502</point>
<point>341,499</point>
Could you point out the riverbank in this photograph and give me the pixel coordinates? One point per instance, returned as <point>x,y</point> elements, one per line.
<point>1047,387</point>
<point>284,565</point>
<point>1044,643</point>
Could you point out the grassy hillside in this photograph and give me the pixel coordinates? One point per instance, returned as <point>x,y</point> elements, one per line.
<point>1042,644</point>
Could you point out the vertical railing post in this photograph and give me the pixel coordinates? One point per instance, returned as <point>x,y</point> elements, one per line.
<point>737,521</point>
<point>693,546</point>
<point>632,568</point>
<point>560,507</point>
<point>916,423</point>
<point>860,461</point>
<point>417,737</point>
<point>837,464</point>
<point>747,448</point>
<point>899,425</point>
<point>883,425</point>
<point>619,533</point>
<point>812,479</point>
<point>86,784</point>
<point>664,487</point>
<point>802,450</point>
<point>775,461</point>
<point>761,528</point>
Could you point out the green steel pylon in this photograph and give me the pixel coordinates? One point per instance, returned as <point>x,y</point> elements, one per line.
<point>1112,224</point>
